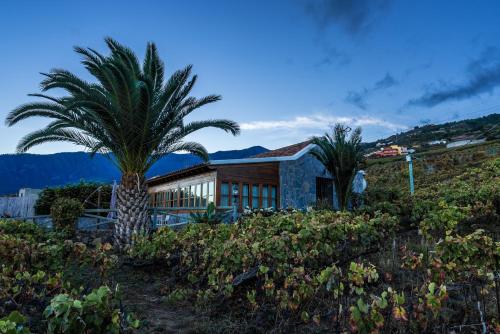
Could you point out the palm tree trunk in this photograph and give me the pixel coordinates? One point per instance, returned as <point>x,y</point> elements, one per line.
<point>132,204</point>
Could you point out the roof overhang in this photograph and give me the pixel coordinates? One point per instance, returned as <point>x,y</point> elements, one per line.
<point>180,174</point>
<point>296,156</point>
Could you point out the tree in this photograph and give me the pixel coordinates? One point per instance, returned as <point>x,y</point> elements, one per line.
<point>341,155</point>
<point>130,114</point>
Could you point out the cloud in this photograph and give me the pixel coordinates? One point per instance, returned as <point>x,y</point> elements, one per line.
<point>482,76</point>
<point>358,98</point>
<point>333,56</point>
<point>320,122</point>
<point>353,16</point>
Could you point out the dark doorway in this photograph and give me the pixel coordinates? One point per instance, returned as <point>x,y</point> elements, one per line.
<point>324,192</point>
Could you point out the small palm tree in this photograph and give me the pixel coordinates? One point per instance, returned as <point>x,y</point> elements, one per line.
<point>341,155</point>
<point>130,113</point>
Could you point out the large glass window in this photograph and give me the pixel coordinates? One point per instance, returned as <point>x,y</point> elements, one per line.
<point>235,191</point>
<point>244,196</point>
<point>211,193</point>
<point>175,194</point>
<point>185,197</point>
<point>255,196</point>
<point>203,195</point>
<point>273,196</point>
<point>265,196</point>
<point>192,194</point>
<point>224,194</point>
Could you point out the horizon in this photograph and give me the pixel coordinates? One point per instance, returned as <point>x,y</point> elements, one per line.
<point>287,72</point>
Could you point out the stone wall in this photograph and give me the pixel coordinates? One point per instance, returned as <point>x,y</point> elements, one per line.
<point>298,182</point>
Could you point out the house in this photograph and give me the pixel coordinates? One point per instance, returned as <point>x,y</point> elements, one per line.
<point>437,142</point>
<point>286,177</point>
<point>464,142</point>
<point>390,151</point>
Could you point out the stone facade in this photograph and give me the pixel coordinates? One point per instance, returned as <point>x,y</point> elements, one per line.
<point>298,182</point>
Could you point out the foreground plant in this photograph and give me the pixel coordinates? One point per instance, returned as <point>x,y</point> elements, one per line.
<point>130,113</point>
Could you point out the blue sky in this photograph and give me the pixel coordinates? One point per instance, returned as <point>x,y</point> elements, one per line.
<point>287,69</point>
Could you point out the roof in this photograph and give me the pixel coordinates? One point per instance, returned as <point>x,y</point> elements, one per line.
<point>284,151</point>
<point>288,153</point>
<point>181,173</point>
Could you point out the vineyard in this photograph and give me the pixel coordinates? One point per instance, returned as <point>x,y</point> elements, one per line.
<point>427,263</point>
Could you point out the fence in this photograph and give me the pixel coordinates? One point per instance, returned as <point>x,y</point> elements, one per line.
<point>94,219</point>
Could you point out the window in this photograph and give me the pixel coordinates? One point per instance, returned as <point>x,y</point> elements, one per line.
<point>175,194</point>
<point>152,200</point>
<point>235,191</point>
<point>198,195</point>
<point>244,196</point>
<point>224,194</point>
<point>158,199</point>
<point>203,195</point>
<point>273,196</point>
<point>192,192</point>
<point>185,197</point>
<point>170,199</point>
<point>211,192</point>
<point>265,196</point>
<point>255,196</point>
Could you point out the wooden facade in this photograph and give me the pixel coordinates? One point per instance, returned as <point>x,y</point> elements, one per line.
<point>261,175</point>
<point>255,185</point>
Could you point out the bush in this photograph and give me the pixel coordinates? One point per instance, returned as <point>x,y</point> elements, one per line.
<point>81,191</point>
<point>65,212</point>
<point>97,312</point>
<point>13,324</point>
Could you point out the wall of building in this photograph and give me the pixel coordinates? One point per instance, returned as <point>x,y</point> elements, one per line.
<point>298,182</point>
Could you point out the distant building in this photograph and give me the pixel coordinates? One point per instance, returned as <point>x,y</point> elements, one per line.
<point>25,192</point>
<point>390,151</point>
<point>437,142</point>
<point>465,142</point>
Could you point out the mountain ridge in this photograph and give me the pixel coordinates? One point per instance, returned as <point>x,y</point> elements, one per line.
<point>45,170</point>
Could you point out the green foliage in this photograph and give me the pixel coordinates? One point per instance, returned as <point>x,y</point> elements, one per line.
<point>85,192</point>
<point>341,155</point>
<point>36,265</point>
<point>97,312</point>
<point>287,251</point>
<point>154,247</point>
<point>130,110</point>
<point>14,323</point>
<point>210,216</point>
<point>65,213</point>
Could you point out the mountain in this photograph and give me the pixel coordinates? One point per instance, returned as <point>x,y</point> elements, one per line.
<point>487,127</point>
<point>40,171</point>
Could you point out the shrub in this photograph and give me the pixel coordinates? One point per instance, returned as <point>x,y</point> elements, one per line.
<point>97,312</point>
<point>14,323</point>
<point>81,191</point>
<point>65,212</point>
<point>210,216</point>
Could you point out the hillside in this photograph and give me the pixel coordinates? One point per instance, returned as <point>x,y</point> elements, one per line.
<point>487,127</point>
<point>40,171</point>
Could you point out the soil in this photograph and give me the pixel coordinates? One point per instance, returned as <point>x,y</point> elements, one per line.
<point>141,295</point>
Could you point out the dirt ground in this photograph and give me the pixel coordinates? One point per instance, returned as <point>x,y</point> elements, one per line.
<point>141,295</point>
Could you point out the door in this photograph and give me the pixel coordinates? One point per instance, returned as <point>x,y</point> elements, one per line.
<point>324,192</point>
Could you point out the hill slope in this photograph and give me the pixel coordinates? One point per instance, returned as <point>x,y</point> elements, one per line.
<point>483,127</point>
<point>40,171</point>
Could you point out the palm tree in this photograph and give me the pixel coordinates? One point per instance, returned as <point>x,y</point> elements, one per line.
<point>130,114</point>
<point>341,156</point>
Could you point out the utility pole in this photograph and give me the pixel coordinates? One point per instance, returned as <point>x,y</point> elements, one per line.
<point>410,171</point>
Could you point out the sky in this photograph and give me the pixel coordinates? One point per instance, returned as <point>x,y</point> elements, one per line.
<point>287,70</point>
